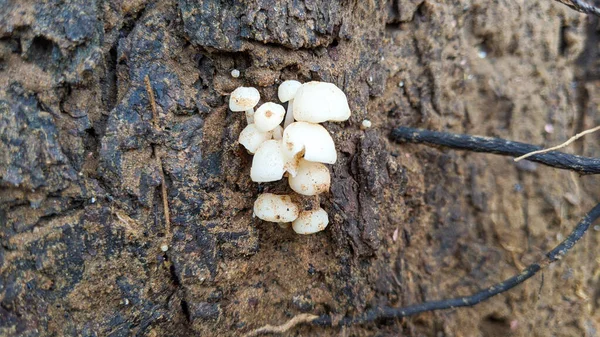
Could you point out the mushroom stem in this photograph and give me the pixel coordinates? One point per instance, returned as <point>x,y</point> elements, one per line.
<point>250,115</point>
<point>289,116</point>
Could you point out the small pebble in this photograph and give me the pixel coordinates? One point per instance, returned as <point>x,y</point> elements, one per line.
<point>401,84</point>
<point>235,73</point>
<point>164,248</point>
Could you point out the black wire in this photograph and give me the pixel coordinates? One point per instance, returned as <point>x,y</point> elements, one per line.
<point>581,6</point>
<point>386,312</point>
<point>580,164</point>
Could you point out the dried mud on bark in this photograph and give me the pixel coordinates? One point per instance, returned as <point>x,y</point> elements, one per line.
<point>81,207</point>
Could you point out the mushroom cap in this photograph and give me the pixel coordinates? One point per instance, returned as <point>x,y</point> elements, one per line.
<point>287,90</point>
<point>311,178</point>
<point>268,116</point>
<point>268,162</point>
<point>275,208</point>
<point>314,139</point>
<point>309,222</point>
<point>251,138</point>
<point>318,102</point>
<point>243,98</point>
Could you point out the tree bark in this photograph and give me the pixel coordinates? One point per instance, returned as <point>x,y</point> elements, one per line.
<point>84,165</point>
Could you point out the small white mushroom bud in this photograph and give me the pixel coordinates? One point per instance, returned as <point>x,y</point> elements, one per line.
<point>309,222</point>
<point>311,178</point>
<point>244,99</point>
<point>314,139</point>
<point>235,73</point>
<point>276,208</point>
<point>268,162</point>
<point>268,116</point>
<point>286,92</point>
<point>365,124</point>
<point>251,138</point>
<point>318,102</point>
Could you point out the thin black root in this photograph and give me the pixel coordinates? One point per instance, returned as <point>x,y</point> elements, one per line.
<point>580,164</point>
<point>581,6</point>
<point>381,313</point>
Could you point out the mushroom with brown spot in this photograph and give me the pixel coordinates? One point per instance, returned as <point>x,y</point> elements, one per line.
<point>268,116</point>
<point>276,208</point>
<point>309,222</point>
<point>311,178</point>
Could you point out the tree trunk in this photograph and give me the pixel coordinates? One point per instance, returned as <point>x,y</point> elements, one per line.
<point>83,162</point>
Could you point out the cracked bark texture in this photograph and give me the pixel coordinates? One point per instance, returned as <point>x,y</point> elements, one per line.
<point>81,217</point>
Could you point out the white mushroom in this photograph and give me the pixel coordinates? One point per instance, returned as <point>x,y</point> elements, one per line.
<point>286,92</point>
<point>309,222</point>
<point>316,142</point>
<point>276,208</point>
<point>251,138</point>
<point>268,162</point>
<point>235,73</point>
<point>268,116</point>
<point>311,178</point>
<point>318,102</point>
<point>244,99</point>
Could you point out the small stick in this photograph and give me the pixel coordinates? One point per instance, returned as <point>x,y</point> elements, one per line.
<point>581,6</point>
<point>298,319</point>
<point>579,164</point>
<point>565,144</point>
<point>163,185</point>
<point>152,101</point>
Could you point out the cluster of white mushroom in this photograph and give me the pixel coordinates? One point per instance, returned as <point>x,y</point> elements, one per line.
<point>298,149</point>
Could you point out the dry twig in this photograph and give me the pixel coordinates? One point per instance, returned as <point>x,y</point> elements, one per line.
<point>565,144</point>
<point>152,101</point>
<point>158,158</point>
<point>298,319</point>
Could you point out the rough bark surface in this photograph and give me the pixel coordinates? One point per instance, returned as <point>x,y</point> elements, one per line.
<point>81,215</point>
